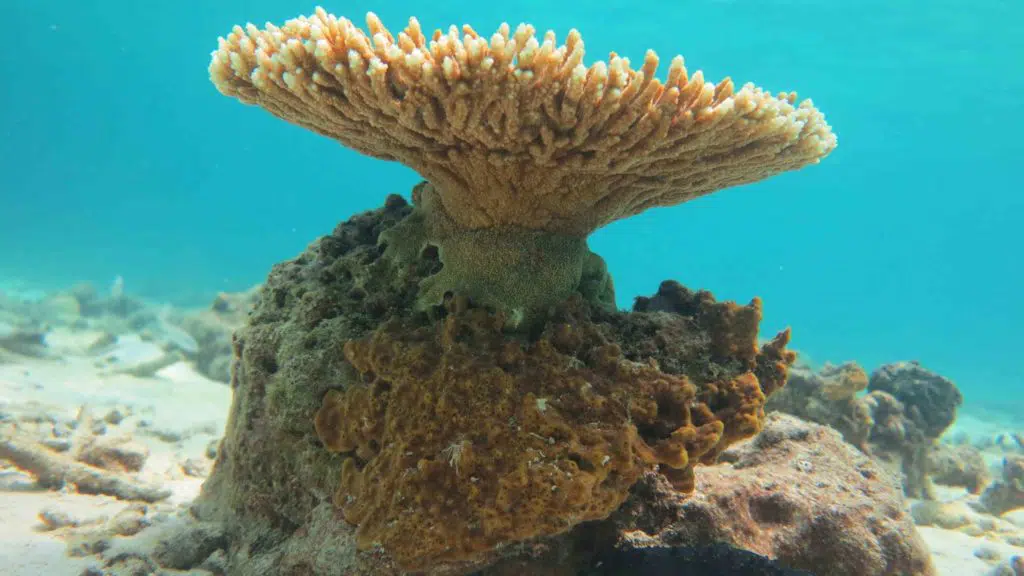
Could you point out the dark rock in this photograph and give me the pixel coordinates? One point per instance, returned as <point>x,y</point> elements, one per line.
<point>188,548</point>
<point>1007,493</point>
<point>961,465</point>
<point>930,400</point>
<point>714,560</point>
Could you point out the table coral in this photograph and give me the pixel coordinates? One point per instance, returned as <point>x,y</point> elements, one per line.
<point>527,150</point>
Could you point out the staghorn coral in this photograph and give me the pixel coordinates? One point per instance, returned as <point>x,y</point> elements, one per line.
<point>460,439</point>
<point>526,149</point>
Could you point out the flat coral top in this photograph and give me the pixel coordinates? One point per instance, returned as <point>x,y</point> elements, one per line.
<point>516,130</point>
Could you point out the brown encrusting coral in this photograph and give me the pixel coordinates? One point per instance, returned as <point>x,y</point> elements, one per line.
<point>461,439</point>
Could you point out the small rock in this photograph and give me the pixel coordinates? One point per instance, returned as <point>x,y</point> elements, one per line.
<point>164,434</point>
<point>63,429</point>
<point>22,341</point>
<point>960,465</point>
<point>117,454</point>
<point>57,444</point>
<point>113,417</point>
<point>87,543</point>
<point>53,519</point>
<point>196,468</point>
<point>948,515</point>
<point>130,563</point>
<point>988,554</point>
<point>1014,566</point>
<point>1015,517</point>
<point>1007,493</point>
<point>103,341</point>
<point>191,546</point>
<point>211,449</point>
<point>129,521</point>
<point>216,562</point>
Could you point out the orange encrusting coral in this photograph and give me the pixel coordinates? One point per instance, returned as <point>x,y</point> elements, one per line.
<point>460,438</point>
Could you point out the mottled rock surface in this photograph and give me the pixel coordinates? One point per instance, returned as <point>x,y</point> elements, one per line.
<point>276,488</point>
<point>213,328</point>
<point>828,396</point>
<point>959,465</point>
<point>896,415</point>
<point>1007,493</point>
<point>796,493</point>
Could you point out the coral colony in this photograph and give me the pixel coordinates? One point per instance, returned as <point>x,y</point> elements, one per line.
<point>460,360</point>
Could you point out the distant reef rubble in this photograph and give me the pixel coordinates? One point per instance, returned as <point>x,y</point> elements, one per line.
<point>85,319</point>
<point>834,475</point>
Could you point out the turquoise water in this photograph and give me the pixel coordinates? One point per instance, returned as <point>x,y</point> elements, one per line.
<point>118,157</point>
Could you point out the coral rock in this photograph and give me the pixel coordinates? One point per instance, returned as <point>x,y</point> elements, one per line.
<point>321,370</point>
<point>115,454</point>
<point>213,328</point>
<point>828,396</point>
<point>796,493</point>
<point>1007,493</point>
<point>898,421</point>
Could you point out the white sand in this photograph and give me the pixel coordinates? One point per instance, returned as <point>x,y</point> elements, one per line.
<point>176,403</point>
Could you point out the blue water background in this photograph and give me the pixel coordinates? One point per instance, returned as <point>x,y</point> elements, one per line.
<point>118,157</point>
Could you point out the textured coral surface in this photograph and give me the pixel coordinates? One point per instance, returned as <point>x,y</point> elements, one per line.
<point>411,405</point>
<point>462,438</point>
<point>796,493</point>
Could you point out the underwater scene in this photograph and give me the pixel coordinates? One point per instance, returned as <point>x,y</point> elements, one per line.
<point>708,287</point>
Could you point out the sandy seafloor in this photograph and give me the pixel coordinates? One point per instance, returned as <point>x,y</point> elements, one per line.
<point>177,414</point>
